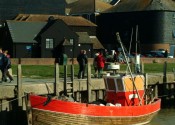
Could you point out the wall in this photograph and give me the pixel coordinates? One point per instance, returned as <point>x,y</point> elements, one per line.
<point>51,61</point>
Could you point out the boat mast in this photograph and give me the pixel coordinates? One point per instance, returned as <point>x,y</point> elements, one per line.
<point>127,62</point>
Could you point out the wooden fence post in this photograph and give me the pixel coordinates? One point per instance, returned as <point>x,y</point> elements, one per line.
<point>89,86</point>
<point>28,109</point>
<point>72,79</point>
<point>65,80</point>
<point>56,79</point>
<point>19,85</point>
<point>164,72</point>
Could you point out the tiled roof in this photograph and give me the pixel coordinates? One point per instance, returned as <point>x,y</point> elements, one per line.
<point>96,43</point>
<point>85,38</point>
<point>21,32</point>
<point>142,5</point>
<point>87,6</point>
<point>69,20</point>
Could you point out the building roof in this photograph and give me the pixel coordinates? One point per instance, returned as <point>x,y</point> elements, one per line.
<point>96,43</point>
<point>87,6</point>
<point>11,8</point>
<point>69,20</point>
<point>85,38</point>
<point>22,32</point>
<point>142,5</point>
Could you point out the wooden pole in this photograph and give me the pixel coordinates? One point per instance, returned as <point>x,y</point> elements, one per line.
<point>89,82</point>
<point>142,66</point>
<point>132,78</point>
<point>146,87</point>
<point>65,80</point>
<point>56,79</point>
<point>156,90</point>
<point>164,72</point>
<point>28,109</point>
<point>19,85</point>
<point>72,79</point>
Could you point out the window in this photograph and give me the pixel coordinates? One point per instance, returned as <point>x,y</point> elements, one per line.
<point>49,43</point>
<point>120,85</point>
<point>111,84</point>
<point>71,41</point>
<point>173,15</point>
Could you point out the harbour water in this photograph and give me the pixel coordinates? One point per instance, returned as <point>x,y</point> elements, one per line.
<point>164,117</point>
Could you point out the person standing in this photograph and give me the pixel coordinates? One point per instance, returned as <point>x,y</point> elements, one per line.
<point>2,56</point>
<point>100,64</point>
<point>82,61</point>
<point>115,57</point>
<point>166,53</point>
<point>7,64</point>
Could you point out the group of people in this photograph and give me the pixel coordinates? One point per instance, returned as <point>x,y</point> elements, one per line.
<point>5,65</point>
<point>98,63</point>
<point>118,57</point>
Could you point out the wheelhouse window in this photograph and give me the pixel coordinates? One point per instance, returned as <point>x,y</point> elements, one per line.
<point>49,43</point>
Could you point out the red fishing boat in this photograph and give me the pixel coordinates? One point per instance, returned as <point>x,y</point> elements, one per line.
<point>127,102</point>
<point>124,106</point>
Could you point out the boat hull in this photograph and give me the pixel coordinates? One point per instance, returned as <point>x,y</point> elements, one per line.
<point>58,112</point>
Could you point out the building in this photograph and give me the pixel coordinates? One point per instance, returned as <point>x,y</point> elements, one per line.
<point>46,36</point>
<point>149,23</point>
<point>89,9</point>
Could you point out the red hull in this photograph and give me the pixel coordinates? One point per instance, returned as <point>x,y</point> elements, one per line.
<point>91,110</point>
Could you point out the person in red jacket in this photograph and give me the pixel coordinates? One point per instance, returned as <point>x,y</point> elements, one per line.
<point>100,64</point>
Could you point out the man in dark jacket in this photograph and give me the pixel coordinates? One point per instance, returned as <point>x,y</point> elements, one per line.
<point>2,57</point>
<point>82,61</point>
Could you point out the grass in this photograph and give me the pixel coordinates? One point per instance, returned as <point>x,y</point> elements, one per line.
<point>47,71</point>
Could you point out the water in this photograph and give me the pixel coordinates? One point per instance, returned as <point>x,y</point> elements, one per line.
<point>164,117</point>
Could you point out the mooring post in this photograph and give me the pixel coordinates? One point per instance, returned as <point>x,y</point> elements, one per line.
<point>156,90</point>
<point>65,80</point>
<point>146,87</point>
<point>72,79</point>
<point>19,85</point>
<point>28,109</point>
<point>164,72</point>
<point>142,67</point>
<point>89,87</point>
<point>56,79</point>
<point>165,87</point>
<point>72,72</point>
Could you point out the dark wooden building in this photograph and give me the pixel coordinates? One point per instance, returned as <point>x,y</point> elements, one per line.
<point>39,39</point>
<point>154,19</point>
<point>77,24</point>
<point>48,36</point>
<point>19,40</point>
<point>53,36</point>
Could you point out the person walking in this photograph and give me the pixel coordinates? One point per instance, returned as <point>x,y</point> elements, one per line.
<point>7,66</point>
<point>2,57</point>
<point>82,61</point>
<point>100,64</point>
